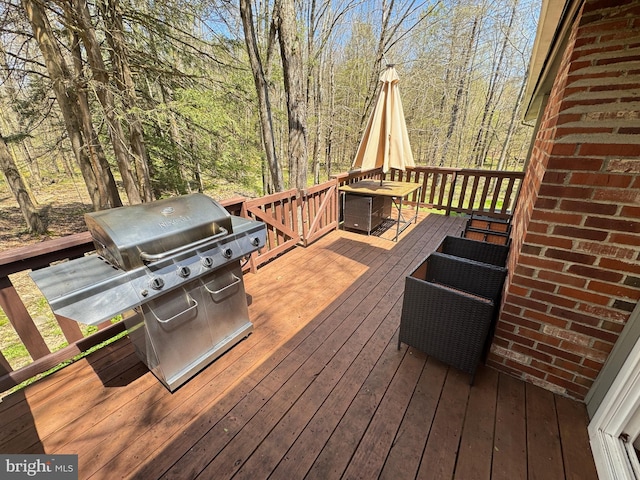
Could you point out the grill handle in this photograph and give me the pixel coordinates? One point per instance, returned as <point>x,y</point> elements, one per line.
<point>154,257</point>
<point>170,319</point>
<point>236,280</point>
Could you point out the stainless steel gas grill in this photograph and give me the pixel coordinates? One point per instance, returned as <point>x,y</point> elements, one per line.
<point>177,262</point>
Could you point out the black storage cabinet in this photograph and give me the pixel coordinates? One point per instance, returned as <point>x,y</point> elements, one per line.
<point>365,213</point>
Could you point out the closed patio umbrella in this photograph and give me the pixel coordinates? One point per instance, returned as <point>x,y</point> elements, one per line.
<point>385,142</point>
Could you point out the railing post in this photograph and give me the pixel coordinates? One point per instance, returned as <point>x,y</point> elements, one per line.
<point>451,192</point>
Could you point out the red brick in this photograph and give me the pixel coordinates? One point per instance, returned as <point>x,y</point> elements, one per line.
<point>614,264</point>
<point>629,195</point>
<point>612,25</point>
<point>525,271</point>
<point>575,163</point>
<point>557,217</point>
<point>521,368</point>
<point>615,60</point>
<point>626,239</point>
<point>605,313</point>
<point>518,290</point>
<point>614,290</point>
<point>545,367</point>
<point>541,338</point>
<point>563,279</point>
<point>500,342</point>
<point>612,327</point>
<point>583,295</point>
<point>583,351</point>
<point>592,272</point>
<point>557,352</point>
<point>572,389</point>
<point>543,263</point>
<point>532,352</point>
<point>609,150</point>
<point>570,256</point>
<point>628,130</point>
<point>563,149</point>
<point>526,302</point>
<point>573,315</point>
<point>567,104</point>
<point>624,166</point>
<point>553,299</point>
<point>545,318</point>
<point>563,191</point>
<point>546,203</point>
<point>588,207</point>
<point>561,132</point>
<point>548,241</point>
<point>513,338</point>
<point>568,118</point>
<point>555,177</point>
<point>592,364</point>
<point>600,180</point>
<point>594,332</point>
<point>530,250</point>
<point>604,347</point>
<point>538,227</point>
<point>628,211</point>
<point>533,284</point>
<point>574,232</point>
<point>606,223</point>
<point>607,250</point>
<point>576,368</point>
<point>619,115</point>
<point>519,321</point>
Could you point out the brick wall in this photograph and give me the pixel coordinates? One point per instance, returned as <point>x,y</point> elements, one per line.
<point>574,270</point>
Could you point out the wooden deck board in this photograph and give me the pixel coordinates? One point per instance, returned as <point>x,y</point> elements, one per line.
<point>318,390</point>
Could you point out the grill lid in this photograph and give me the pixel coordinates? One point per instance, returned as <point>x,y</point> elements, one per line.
<point>132,236</point>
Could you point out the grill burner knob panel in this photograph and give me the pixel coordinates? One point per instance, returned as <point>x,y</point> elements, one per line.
<point>156,283</point>
<point>184,272</point>
<point>207,262</point>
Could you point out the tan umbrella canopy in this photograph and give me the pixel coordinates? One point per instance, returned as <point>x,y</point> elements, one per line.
<point>385,142</point>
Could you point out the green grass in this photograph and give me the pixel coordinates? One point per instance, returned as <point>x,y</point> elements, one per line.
<point>61,365</point>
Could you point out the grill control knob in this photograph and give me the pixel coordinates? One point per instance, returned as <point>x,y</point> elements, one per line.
<point>207,262</point>
<point>184,272</point>
<point>156,283</point>
<point>255,241</point>
<point>227,253</point>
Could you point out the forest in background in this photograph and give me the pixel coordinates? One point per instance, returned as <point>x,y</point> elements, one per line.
<point>144,100</point>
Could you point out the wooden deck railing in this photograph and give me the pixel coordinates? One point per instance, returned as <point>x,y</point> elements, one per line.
<point>292,218</point>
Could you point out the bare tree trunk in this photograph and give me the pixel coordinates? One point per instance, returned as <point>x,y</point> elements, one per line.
<point>105,96</point>
<point>62,83</point>
<point>105,182</point>
<point>34,221</point>
<point>329,135</point>
<point>262,89</point>
<point>124,81</point>
<point>291,54</point>
<point>463,77</point>
<point>512,125</point>
<point>479,148</point>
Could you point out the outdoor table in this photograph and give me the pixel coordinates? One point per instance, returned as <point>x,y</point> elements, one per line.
<point>397,191</point>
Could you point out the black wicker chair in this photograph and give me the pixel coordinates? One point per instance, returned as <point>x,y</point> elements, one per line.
<point>489,227</point>
<point>448,309</point>
<point>479,251</point>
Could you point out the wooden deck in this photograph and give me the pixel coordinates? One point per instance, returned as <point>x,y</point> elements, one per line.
<point>318,391</point>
